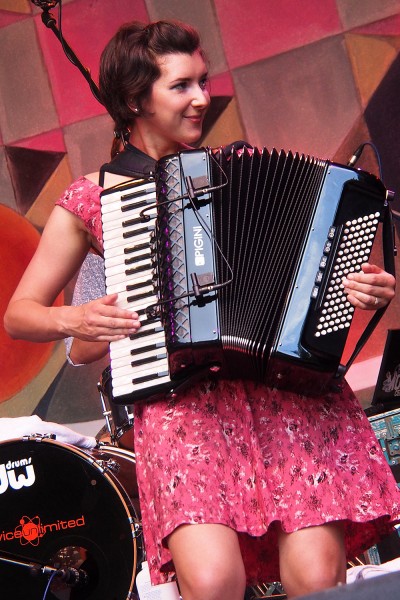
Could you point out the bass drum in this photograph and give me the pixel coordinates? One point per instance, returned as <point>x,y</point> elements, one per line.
<point>65,509</point>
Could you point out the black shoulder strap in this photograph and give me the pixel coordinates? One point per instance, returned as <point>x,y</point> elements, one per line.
<point>131,162</point>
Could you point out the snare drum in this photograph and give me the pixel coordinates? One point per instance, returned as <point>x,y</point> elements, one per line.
<point>65,508</point>
<point>119,418</point>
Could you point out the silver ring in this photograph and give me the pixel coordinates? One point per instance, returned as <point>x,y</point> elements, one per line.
<point>376,300</point>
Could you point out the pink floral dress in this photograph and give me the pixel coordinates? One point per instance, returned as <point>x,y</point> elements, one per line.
<point>253,458</point>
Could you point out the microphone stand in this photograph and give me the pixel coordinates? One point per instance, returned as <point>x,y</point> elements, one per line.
<point>50,22</point>
<point>71,576</point>
<point>34,568</point>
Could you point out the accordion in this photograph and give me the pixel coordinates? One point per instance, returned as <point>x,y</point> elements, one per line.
<point>240,270</point>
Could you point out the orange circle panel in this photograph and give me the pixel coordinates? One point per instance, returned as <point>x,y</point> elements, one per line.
<point>20,361</point>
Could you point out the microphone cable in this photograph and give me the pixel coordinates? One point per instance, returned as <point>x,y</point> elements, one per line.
<point>50,22</point>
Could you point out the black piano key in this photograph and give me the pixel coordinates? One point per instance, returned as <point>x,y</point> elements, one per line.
<point>136,248</point>
<point>128,234</point>
<point>150,377</point>
<point>137,286</point>
<point>141,334</point>
<point>140,269</point>
<point>144,256</point>
<point>140,296</point>
<point>148,348</point>
<point>148,360</point>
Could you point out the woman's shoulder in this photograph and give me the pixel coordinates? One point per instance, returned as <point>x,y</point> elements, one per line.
<point>80,190</point>
<point>82,198</point>
<point>92,178</point>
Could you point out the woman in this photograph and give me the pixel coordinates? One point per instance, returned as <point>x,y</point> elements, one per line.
<point>236,480</point>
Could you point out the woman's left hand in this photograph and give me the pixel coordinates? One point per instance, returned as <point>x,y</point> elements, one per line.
<point>369,289</point>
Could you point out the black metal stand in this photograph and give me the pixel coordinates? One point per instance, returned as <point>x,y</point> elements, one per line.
<point>51,23</point>
<point>70,576</point>
<point>34,568</point>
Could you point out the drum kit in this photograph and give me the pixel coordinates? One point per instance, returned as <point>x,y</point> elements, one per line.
<point>70,524</point>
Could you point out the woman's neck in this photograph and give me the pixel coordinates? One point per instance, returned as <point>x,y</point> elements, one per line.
<point>152,146</point>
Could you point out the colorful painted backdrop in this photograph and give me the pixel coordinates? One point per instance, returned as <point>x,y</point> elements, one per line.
<point>311,76</point>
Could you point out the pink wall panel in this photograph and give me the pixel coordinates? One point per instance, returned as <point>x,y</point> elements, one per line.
<point>387,27</point>
<point>6,18</point>
<point>51,140</point>
<point>26,100</point>
<point>355,13</point>
<point>292,104</point>
<point>258,29</point>
<point>87,26</point>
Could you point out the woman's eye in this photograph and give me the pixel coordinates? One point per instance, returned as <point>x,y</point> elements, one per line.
<point>180,86</point>
<point>204,83</point>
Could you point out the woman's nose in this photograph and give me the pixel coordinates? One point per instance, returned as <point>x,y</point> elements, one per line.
<point>201,97</point>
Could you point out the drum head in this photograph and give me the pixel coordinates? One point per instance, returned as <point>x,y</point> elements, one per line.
<point>60,508</point>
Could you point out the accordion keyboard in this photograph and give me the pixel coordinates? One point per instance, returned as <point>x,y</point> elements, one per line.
<point>139,361</point>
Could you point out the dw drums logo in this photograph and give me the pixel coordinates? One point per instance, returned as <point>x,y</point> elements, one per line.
<point>8,477</point>
<point>18,474</point>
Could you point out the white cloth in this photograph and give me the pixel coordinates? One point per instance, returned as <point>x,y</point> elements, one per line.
<point>368,571</point>
<point>16,427</point>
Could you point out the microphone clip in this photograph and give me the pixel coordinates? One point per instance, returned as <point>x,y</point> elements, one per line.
<point>202,284</point>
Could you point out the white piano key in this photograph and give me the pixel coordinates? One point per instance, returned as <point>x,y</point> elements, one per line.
<point>115,246</point>
<point>156,355</point>
<point>137,344</point>
<point>118,233</point>
<point>131,277</point>
<point>124,374</point>
<point>125,390</point>
<point>123,260</point>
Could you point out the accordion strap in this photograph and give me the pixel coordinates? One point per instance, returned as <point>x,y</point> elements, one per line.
<point>389,252</point>
<point>131,162</point>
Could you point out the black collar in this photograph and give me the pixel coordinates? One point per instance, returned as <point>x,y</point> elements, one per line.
<point>131,162</point>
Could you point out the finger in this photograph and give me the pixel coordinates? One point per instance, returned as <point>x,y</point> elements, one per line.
<point>369,268</point>
<point>109,299</point>
<point>105,307</point>
<point>364,301</point>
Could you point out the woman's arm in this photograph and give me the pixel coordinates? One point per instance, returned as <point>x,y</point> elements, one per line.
<point>84,353</point>
<point>30,314</point>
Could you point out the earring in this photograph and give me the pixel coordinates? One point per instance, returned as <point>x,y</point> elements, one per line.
<point>136,110</point>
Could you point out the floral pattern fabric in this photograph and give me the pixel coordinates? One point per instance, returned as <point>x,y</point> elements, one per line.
<point>251,457</point>
<point>83,199</point>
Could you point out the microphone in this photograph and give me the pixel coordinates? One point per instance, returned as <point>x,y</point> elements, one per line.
<point>72,577</point>
<point>45,4</point>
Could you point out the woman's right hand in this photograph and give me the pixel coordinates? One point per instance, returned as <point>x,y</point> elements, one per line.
<point>101,320</point>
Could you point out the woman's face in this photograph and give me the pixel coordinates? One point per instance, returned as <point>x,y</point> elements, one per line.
<point>178,103</point>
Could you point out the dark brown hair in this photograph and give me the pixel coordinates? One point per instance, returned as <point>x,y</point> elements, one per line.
<point>128,65</point>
